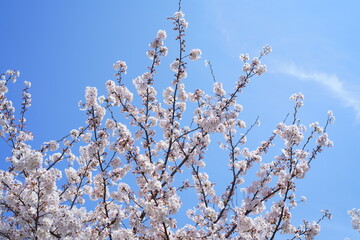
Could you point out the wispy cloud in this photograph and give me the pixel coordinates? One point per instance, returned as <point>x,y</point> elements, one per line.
<point>331,82</point>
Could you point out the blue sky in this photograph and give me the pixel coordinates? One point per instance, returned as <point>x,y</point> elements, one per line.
<point>64,46</point>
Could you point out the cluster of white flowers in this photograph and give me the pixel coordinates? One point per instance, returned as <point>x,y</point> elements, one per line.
<point>120,66</point>
<point>10,75</point>
<point>298,98</point>
<point>253,67</point>
<point>218,89</point>
<point>179,16</point>
<point>174,66</point>
<point>324,141</point>
<point>266,50</point>
<point>244,57</point>
<point>355,218</point>
<point>91,96</point>
<point>291,134</point>
<point>3,88</point>
<point>158,48</point>
<point>316,127</point>
<point>195,54</point>
<point>331,117</point>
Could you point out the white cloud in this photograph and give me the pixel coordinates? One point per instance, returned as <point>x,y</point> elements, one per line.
<point>331,82</point>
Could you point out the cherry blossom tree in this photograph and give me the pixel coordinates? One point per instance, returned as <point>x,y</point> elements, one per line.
<point>124,174</point>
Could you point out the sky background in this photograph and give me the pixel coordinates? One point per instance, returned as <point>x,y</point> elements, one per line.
<point>64,46</point>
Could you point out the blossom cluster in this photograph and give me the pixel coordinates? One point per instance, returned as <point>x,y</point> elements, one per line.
<point>355,218</point>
